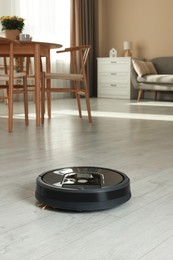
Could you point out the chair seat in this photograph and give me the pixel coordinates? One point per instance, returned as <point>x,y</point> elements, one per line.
<point>64,76</point>
<point>16,75</point>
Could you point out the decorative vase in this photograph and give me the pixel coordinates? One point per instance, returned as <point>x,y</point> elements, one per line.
<point>12,34</point>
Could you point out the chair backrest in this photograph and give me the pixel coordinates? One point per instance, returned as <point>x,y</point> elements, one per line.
<point>79,55</point>
<point>79,58</point>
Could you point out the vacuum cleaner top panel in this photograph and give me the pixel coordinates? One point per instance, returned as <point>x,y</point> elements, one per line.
<point>83,178</point>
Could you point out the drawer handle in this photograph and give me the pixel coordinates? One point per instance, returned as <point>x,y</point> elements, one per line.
<point>114,73</point>
<point>113,85</point>
<point>113,61</point>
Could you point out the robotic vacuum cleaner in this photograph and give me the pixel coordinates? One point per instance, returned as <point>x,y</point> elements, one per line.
<point>82,188</point>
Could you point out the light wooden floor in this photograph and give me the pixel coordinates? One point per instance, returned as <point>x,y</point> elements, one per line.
<point>140,229</point>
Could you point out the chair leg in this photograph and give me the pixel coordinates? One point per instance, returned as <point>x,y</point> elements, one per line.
<point>48,104</point>
<point>79,105</point>
<point>10,108</point>
<point>42,97</point>
<point>88,109</point>
<point>6,72</point>
<point>25,100</point>
<point>47,83</point>
<point>87,101</point>
<point>77,93</point>
<point>10,119</point>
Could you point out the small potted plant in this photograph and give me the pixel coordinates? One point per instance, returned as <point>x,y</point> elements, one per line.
<point>12,25</point>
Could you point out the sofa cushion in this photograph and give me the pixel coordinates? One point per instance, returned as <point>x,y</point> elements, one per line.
<point>159,79</point>
<point>144,67</point>
<point>163,65</point>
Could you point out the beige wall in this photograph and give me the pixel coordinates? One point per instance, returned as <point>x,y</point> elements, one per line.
<point>148,24</point>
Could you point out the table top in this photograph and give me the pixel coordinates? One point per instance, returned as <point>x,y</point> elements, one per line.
<point>49,45</point>
<point>5,40</point>
<point>27,48</point>
<point>46,44</point>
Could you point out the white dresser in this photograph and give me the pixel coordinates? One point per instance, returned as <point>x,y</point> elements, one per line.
<point>114,77</point>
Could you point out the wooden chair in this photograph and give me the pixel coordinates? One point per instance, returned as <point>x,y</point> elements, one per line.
<point>25,64</point>
<point>9,82</point>
<point>77,75</point>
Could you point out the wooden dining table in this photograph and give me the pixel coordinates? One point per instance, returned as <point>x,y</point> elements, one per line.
<point>37,50</point>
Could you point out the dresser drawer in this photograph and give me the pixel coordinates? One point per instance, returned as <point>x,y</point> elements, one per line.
<point>112,66</point>
<point>114,77</point>
<point>113,91</point>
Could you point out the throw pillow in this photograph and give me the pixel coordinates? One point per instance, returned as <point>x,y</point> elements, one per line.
<point>144,67</point>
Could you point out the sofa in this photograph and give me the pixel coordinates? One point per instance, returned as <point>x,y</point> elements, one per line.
<point>153,75</point>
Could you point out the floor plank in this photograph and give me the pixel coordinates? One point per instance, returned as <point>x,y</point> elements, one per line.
<point>141,147</point>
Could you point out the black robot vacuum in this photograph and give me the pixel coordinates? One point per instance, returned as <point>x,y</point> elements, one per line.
<point>82,188</point>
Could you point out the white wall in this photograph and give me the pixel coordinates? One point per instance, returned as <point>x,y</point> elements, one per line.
<point>148,24</point>
<point>5,7</point>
